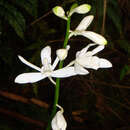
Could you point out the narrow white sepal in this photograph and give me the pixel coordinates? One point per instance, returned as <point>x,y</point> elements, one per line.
<point>97,38</point>
<point>97,49</point>
<point>85,23</point>
<point>64,72</point>
<point>84,50</point>
<point>55,63</point>
<point>28,63</point>
<point>80,70</point>
<point>46,54</point>
<point>71,63</point>
<point>29,78</point>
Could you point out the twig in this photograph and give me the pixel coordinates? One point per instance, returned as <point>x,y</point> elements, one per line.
<point>117,102</point>
<point>37,20</point>
<point>21,117</point>
<point>23,99</point>
<point>108,98</point>
<point>107,84</point>
<point>104,17</point>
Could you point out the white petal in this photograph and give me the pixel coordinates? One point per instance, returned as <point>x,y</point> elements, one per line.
<point>97,38</point>
<point>92,63</point>
<point>84,50</point>
<point>97,49</point>
<point>89,62</point>
<point>105,63</point>
<point>29,64</point>
<point>85,23</point>
<point>80,70</point>
<point>46,54</point>
<point>55,63</point>
<point>64,72</point>
<point>82,9</point>
<point>29,78</point>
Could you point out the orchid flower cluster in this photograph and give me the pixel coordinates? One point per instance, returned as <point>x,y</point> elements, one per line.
<point>85,59</point>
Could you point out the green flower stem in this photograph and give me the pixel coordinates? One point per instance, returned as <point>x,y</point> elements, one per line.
<point>57,88</point>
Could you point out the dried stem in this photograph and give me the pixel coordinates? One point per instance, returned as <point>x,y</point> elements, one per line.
<point>22,117</point>
<point>104,17</point>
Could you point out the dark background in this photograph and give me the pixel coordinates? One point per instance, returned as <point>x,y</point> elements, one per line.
<point>98,101</point>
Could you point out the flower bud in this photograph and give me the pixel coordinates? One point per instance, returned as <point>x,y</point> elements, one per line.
<point>59,122</point>
<point>62,53</point>
<point>59,11</point>
<point>82,9</point>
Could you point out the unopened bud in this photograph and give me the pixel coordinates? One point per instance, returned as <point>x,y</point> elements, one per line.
<point>59,11</point>
<point>59,122</point>
<point>82,9</point>
<point>62,53</point>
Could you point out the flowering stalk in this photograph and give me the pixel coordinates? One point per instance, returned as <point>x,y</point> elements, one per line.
<point>57,88</point>
<point>84,60</point>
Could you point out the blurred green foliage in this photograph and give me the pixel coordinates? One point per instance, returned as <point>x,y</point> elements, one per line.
<point>10,12</point>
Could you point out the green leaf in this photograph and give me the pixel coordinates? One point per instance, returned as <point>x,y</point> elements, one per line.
<point>14,18</point>
<point>29,5</point>
<point>6,54</point>
<point>4,127</point>
<point>125,71</point>
<point>124,44</point>
<point>1,27</point>
<point>35,89</point>
<point>113,3</point>
<point>113,15</point>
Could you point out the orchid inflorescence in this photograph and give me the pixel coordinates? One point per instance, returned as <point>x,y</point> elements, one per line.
<point>85,59</point>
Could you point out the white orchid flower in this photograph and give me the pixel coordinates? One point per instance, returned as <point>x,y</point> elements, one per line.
<point>59,122</point>
<point>80,30</point>
<point>86,59</point>
<point>47,70</point>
